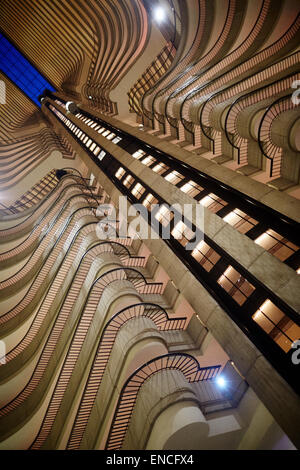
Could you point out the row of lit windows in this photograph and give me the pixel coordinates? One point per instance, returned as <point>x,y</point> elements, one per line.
<point>270,240</point>
<point>99,128</point>
<point>84,138</point>
<point>269,317</point>
<point>203,253</point>
<point>60,103</point>
<point>274,243</point>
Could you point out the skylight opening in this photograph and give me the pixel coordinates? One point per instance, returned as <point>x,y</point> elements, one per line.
<point>20,71</point>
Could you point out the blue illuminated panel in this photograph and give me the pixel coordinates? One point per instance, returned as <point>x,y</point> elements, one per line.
<point>21,72</point>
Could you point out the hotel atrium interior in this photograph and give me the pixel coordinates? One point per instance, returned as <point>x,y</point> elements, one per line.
<point>181,117</point>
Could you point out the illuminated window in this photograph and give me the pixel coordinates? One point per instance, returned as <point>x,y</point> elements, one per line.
<point>276,324</point>
<point>110,136</point>
<point>276,244</point>
<point>191,188</point>
<point>150,201</point>
<point>116,140</point>
<point>160,168</point>
<point>128,181</point>
<point>236,285</point>
<point>149,160</point>
<point>96,151</point>
<point>101,155</point>
<point>241,221</point>
<point>92,146</point>
<point>120,173</point>
<point>182,233</point>
<point>138,190</point>
<point>105,133</point>
<point>138,154</point>
<point>174,177</point>
<point>205,255</point>
<point>102,129</point>
<point>88,143</point>
<point>164,216</point>
<point>59,102</point>
<point>213,202</point>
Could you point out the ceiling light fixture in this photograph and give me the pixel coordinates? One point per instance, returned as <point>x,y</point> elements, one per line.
<point>159,14</point>
<point>221,382</point>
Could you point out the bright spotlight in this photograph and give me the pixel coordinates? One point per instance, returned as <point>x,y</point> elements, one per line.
<point>159,14</point>
<point>221,382</point>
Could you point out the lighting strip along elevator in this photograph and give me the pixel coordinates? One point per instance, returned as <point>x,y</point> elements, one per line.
<point>258,312</point>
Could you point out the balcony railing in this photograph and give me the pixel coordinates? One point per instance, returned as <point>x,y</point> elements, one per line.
<point>268,148</point>
<point>185,363</point>
<point>163,323</point>
<point>249,99</point>
<point>85,321</point>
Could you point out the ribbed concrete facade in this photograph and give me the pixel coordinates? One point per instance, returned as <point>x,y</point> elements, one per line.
<point>113,340</point>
